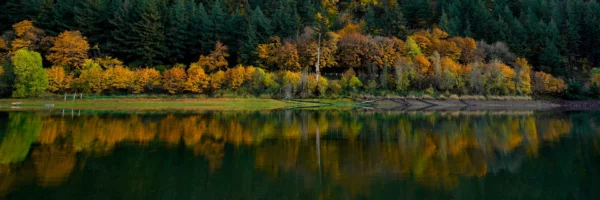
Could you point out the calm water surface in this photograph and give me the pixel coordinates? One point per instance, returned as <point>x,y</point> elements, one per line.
<point>300,154</point>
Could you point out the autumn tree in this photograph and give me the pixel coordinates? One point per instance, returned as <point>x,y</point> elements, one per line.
<point>468,48</point>
<point>523,76</point>
<point>92,77</point>
<point>217,80</point>
<point>283,56</point>
<point>119,78</point>
<point>26,36</point>
<point>543,83</point>
<point>307,46</point>
<point>216,60</point>
<point>412,48</point>
<point>235,77</point>
<point>197,80</point>
<point>174,80</point>
<point>404,71</point>
<point>145,79</point>
<point>31,79</point>
<point>70,50</point>
<point>58,80</point>
<point>360,52</point>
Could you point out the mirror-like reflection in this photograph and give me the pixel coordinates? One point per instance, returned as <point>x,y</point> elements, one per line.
<point>299,154</point>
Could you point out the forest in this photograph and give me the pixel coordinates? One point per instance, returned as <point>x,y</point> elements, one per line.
<point>301,49</point>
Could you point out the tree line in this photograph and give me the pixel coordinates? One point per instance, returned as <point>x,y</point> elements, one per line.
<point>391,45</point>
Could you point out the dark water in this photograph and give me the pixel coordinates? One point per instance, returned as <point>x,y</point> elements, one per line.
<point>300,154</point>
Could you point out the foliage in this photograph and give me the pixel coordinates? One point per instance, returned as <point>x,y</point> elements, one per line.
<point>92,77</point>
<point>69,51</point>
<point>146,79</point>
<point>31,79</point>
<point>58,80</point>
<point>284,56</point>
<point>197,80</point>
<point>284,37</point>
<point>174,80</point>
<point>543,83</point>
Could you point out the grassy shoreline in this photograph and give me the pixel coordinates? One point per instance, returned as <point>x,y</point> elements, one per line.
<point>173,103</point>
<point>186,103</point>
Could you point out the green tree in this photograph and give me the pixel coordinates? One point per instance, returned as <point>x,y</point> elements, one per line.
<point>14,11</point>
<point>30,77</point>
<point>285,20</point>
<point>550,58</point>
<point>89,19</point>
<point>122,36</point>
<point>176,34</point>
<point>149,37</point>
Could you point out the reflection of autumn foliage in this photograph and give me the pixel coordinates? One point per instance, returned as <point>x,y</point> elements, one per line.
<point>7,179</point>
<point>53,164</point>
<point>355,148</point>
<point>212,151</point>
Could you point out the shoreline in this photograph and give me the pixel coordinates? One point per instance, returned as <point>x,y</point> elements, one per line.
<point>270,104</point>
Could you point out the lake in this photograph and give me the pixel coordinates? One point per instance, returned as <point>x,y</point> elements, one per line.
<point>299,154</point>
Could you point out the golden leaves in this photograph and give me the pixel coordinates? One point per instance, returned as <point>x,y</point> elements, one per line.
<point>543,83</point>
<point>284,56</point>
<point>197,81</point>
<point>174,80</point>
<point>216,60</point>
<point>58,80</point>
<point>69,50</point>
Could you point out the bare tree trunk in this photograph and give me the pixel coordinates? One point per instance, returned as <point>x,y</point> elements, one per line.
<point>317,71</point>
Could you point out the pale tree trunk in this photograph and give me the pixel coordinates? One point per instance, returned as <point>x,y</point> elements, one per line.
<point>318,61</point>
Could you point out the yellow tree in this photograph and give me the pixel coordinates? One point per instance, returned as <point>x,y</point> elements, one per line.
<point>235,77</point>
<point>543,83</point>
<point>119,78</point>
<point>523,77</point>
<point>285,56</point>
<point>308,46</point>
<point>217,80</point>
<point>58,80</point>
<point>197,80</point>
<point>391,49</point>
<point>216,60</point>
<point>27,36</point>
<point>70,50</point>
<point>424,67</point>
<point>174,80</point>
<point>147,78</point>
<point>468,48</point>
<point>92,77</point>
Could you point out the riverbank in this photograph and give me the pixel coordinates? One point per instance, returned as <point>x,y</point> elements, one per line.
<point>166,104</point>
<point>486,104</point>
<point>270,104</point>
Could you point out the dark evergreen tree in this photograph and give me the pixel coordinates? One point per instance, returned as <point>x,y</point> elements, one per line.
<point>201,30</point>
<point>14,11</point>
<point>148,37</point>
<point>218,24</point>
<point>176,31</point>
<point>247,53</point>
<point>285,20</point>
<point>60,18</point>
<point>550,59</point>
<point>306,12</point>
<point>263,25</point>
<point>122,41</point>
<point>89,19</point>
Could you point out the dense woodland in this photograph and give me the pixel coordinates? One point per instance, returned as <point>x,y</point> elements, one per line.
<point>501,47</point>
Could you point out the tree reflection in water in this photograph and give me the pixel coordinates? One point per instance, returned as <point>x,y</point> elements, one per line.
<point>352,151</point>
